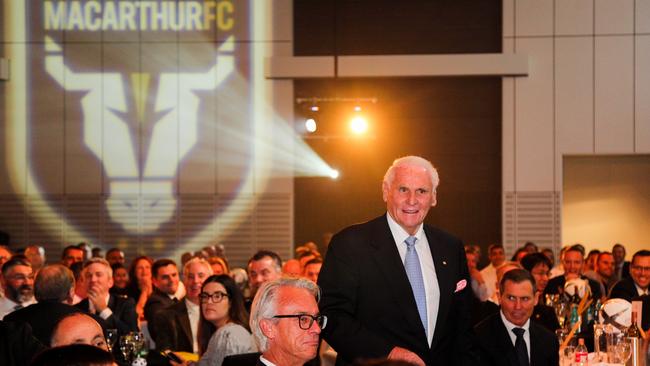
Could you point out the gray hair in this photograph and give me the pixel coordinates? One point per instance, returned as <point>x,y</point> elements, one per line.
<point>266,302</point>
<point>101,261</point>
<point>53,282</point>
<point>412,160</point>
<point>206,264</point>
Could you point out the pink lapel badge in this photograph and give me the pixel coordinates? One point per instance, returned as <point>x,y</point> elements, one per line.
<point>460,285</point>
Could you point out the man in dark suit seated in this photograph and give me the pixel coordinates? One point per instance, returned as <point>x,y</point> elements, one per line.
<point>165,284</point>
<point>54,290</point>
<point>509,338</point>
<point>573,262</point>
<point>17,344</point>
<point>177,326</point>
<point>117,312</point>
<point>637,285</point>
<point>286,322</point>
<point>395,287</point>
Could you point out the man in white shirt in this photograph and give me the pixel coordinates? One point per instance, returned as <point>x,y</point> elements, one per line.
<point>286,322</point>
<point>509,337</point>
<point>18,285</point>
<point>497,256</point>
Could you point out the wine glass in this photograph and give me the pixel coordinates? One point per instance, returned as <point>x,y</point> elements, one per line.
<point>127,347</point>
<point>623,350</point>
<point>138,343</point>
<point>111,338</point>
<point>561,309</point>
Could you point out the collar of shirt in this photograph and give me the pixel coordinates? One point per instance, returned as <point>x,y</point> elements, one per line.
<point>266,362</point>
<point>513,336</point>
<point>640,291</point>
<point>399,235</point>
<point>193,313</point>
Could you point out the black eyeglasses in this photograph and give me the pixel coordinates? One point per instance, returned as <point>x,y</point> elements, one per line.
<point>305,321</point>
<point>215,296</point>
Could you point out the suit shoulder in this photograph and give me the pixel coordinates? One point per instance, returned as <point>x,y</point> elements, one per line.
<point>487,325</point>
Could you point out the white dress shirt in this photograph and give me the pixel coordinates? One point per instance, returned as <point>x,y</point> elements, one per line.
<point>641,291</point>
<point>432,290</point>
<point>513,336</point>
<point>266,362</point>
<point>193,312</point>
<point>7,306</point>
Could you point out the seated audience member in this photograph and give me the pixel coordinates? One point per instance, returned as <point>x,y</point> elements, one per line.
<point>165,282</point>
<point>74,354</point>
<point>219,265</point>
<point>286,322</point>
<point>548,252</point>
<point>117,312</point>
<point>637,284</point>
<point>115,255</point>
<point>509,337</point>
<point>97,252</point>
<point>87,249</point>
<point>519,253</point>
<point>5,254</point>
<point>591,260</point>
<point>140,286</point>
<point>78,328</point>
<point>54,290</point>
<point>36,256</point>
<point>305,257</point>
<point>621,266</point>
<point>604,273</point>
<point>479,286</point>
<point>572,263</point>
<point>312,269</point>
<point>120,280</point>
<point>241,279</point>
<point>497,256</point>
<point>71,254</point>
<point>558,269</point>
<point>77,269</point>
<point>17,344</point>
<point>292,268</point>
<point>263,266</point>
<point>176,327</point>
<point>538,265</point>
<point>531,247</point>
<point>224,322</point>
<point>18,285</point>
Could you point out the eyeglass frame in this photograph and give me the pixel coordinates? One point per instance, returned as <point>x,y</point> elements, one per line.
<point>206,297</point>
<point>639,268</point>
<point>322,323</point>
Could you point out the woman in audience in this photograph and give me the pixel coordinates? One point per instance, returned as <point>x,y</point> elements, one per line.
<point>140,286</point>
<point>223,329</point>
<point>219,265</point>
<point>120,279</point>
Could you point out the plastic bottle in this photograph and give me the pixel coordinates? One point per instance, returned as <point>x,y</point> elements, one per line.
<point>581,353</point>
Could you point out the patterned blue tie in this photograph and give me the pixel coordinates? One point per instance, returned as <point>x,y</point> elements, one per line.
<point>414,273</point>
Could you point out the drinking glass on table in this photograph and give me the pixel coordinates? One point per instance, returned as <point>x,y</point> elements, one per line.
<point>127,347</point>
<point>111,338</point>
<point>622,349</point>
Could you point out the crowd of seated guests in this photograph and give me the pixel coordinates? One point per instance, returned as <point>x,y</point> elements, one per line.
<point>201,306</point>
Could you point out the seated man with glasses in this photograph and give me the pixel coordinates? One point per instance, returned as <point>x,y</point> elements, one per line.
<point>286,322</point>
<point>637,287</point>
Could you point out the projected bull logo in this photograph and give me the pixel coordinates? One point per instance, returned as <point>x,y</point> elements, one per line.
<point>105,113</point>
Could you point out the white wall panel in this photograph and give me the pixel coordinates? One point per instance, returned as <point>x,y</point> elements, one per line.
<point>574,17</point>
<point>533,17</point>
<point>642,94</point>
<point>574,107</point>
<point>614,110</point>
<point>642,19</point>
<point>508,125</point>
<point>534,117</point>
<point>508,15</point>
<point>614,16</point>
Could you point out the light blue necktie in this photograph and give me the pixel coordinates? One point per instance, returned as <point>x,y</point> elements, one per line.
<point>414,273</point>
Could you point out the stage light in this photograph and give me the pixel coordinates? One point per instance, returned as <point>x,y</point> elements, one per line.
<point>357,108</point>
<point>314,108</point>
<point>310,125</point>
<point>334,174</point>
<point>359,125</point>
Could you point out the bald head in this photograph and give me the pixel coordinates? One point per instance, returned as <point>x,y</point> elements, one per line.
<point>78,328</point>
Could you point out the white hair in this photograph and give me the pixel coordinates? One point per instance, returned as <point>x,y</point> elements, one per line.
<point>266,302</point>
<point>206,264</point>
<point>412,160</point>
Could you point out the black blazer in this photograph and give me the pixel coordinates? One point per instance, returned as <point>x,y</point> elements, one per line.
<point>42,317</point>
<point>17,344</point>
<point>157,302</point>
<point>496,348</point>
<point>245,359</point>
<point>369,302</point>
<point>124,317</point>
<point>173,329</point>
<point>624,289</point>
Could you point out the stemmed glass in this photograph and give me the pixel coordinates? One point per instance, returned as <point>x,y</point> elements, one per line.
<point>138,343</point>
<point>111,338</point>
<point>623,349</point>
<point>127,347</point>
<point>561,309</point>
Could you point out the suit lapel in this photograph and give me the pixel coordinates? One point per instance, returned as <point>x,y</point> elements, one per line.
<point>389,262</point>
<point>503,341</point>
<point>446,282</point>
<point>184,320</point>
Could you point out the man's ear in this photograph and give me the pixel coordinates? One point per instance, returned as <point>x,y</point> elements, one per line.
<point>384,191</point>
<point>434,197</point>
<point>268,328</point>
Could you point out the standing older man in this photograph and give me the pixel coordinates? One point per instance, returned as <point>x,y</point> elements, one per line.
<point>394,287</point>
<point>18,284</point>
<point>509,337</point>
<point>286,323</point>
<point>117,312</point>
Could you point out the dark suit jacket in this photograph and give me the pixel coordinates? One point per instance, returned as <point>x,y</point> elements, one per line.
<point>17,344</point>
<point>42,317</point>
<point>245,359</point>
<point>124,317</point>
<point>624,289</point>
<point>556,283</point>
<point>173,329</point>
<point>157,302</point>
<point>370,305</point>
<point>496,348</point>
